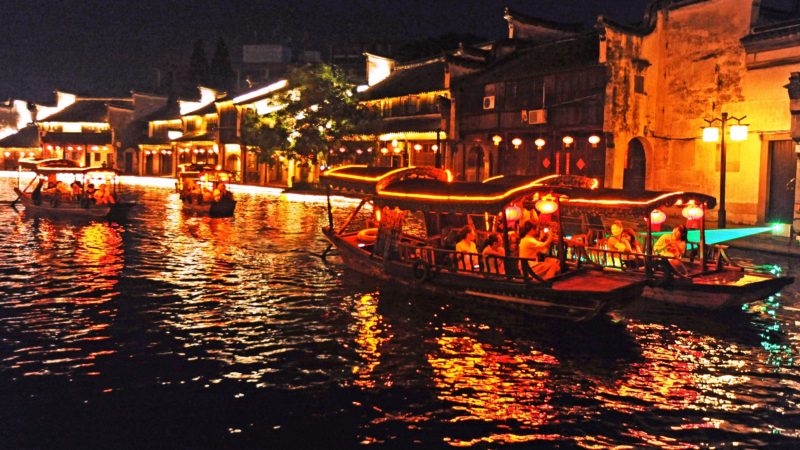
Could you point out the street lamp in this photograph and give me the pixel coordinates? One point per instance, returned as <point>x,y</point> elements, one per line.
<point>714,134</point>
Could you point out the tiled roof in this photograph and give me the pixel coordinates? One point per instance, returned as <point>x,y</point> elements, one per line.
<point>411,79</point>
<point>87,111</point>
<point>102,138</point>
<point>27,137</point>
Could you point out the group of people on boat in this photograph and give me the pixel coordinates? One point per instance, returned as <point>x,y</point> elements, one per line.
<point>57,191</point>
<point>533,241</point>
<point>195,192</point>
<point>532,248</point>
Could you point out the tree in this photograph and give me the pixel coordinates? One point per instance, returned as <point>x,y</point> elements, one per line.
<point>221,72</point>
<point>198,64</point>
<point>319,111</point>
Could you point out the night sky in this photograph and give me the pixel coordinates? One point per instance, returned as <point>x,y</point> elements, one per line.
<point>109,47</point>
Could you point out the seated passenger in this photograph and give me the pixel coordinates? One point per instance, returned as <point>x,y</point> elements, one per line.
<point>530,247</point>
<point>493,254</point>
<point>103,196</point>
<point>467,246</point>
<point>673,245</point>
<point>63,190</point>
<point>615,241</point>
<point>629,238</point>
<point>77,188</point>
<point>221,192</point>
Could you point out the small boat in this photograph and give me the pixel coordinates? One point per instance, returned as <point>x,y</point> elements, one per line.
<point>63,188</point>
<point>404,242</point>
<point>203,190</point>
<point>703,276</point>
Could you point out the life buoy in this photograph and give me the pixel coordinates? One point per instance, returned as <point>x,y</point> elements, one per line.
<point>421,270</point>
<point>367,235</point>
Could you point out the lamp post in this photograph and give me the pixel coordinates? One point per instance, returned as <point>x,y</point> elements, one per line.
<point>714,134</point>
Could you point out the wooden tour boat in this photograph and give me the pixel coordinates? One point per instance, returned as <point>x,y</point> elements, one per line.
<point>702,277</point>
<point>408,242</point>
<point>203,190</point>
<point>63,188</point>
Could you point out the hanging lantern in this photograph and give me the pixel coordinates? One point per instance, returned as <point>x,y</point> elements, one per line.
<point>594,140</point>
<point>513,213</point>
<point>546,205</point>
<point>692,211</point>
<point>516,142</point>
<point>567,140</point>
<point>496,139</point>
<point>417,147</point>
<point>342,149</point>
<point>434,147</point>
<point>539,143</point>
<point>657,217</point>
<point>384,150</point>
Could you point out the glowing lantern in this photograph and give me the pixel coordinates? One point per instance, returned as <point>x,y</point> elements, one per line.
<point>546,205</point>
<point>394,143</point>
<point>567,140</point>
<point>396,150</point>
<point>496,139</point>
<point>657,217</point>
<point>358,150</point>
<point>516,142</point>
<point>513,213</point>
<point>710,134</point>
<point>369,149</point>
<point>692,211</point>
<point>539,143</point>
<point>417,147</point>
<point>594,140</point>
<point>434,147</point>
<point>384,150</point>
<point>342,149</point>
<point>738,132</point>
<point>6,154</point>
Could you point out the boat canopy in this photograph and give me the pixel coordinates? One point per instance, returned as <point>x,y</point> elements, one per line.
<point>56,166</point>
<point>464,198</point>
<point>368,180</point>
<point>620,203</point>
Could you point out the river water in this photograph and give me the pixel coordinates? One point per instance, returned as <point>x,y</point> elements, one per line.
<point>173,331</point>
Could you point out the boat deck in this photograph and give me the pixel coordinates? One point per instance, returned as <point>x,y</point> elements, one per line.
<point>594,281</point>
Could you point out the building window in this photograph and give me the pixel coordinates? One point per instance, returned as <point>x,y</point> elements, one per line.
<point>638,84</point>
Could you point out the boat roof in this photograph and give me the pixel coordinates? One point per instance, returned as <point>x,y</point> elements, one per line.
<point>617,202</point>
<point>48,166</point>
<point>210,172</point>
<point>370,180</point>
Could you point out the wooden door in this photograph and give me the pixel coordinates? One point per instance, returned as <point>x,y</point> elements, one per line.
<point>635,168</point>
<point>782,170</point>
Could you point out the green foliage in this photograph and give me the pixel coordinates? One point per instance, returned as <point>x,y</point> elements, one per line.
<point>320,111</point>
<point>221,75</point>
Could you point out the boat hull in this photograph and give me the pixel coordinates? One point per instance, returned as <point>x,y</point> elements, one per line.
<point>579,297</point>
<point>730,288</point>
<point>224,208</point>
<point>69,208</point>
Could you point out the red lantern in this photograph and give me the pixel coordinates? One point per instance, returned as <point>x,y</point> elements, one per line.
<point>692,211</point>
<point>546,205</point>
<point>657,217</point>
<point>513,213</point>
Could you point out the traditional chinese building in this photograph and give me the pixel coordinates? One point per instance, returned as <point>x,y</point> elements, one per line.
<point>535,106</point>
<point>695,64</point>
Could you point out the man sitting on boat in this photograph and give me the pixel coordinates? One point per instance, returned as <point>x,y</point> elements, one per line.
<point>493,254</point>
<point>103,196</point>
<point>466,246</point>
<point>673,245</point>
<point>531,247</point>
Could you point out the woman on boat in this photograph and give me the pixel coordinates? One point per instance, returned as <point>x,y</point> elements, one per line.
<point>673,246</point>
<point>493,254</point>
<point>466,246</point>
<point>629,238</point>
<point>103,196</point>
<point>530,247</point>
<point>616,242</point>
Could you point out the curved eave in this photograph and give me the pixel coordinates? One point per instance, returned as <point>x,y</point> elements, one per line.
<point>617,202</point>
<point>370,180</point>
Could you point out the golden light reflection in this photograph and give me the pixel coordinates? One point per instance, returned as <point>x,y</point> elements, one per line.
<point>493,385</point>
<point>370,335</point>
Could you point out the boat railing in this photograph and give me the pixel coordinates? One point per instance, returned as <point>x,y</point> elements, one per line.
<point>428,260</point>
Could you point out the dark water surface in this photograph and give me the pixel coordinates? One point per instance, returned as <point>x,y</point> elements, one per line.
<point>172,331</point>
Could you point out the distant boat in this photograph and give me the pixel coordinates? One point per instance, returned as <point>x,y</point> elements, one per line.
<point>203,190</point>
<point>63,188</point>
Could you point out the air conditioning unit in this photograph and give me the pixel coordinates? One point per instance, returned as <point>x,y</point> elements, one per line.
<point>537,116</point>
<point>488,102</point>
